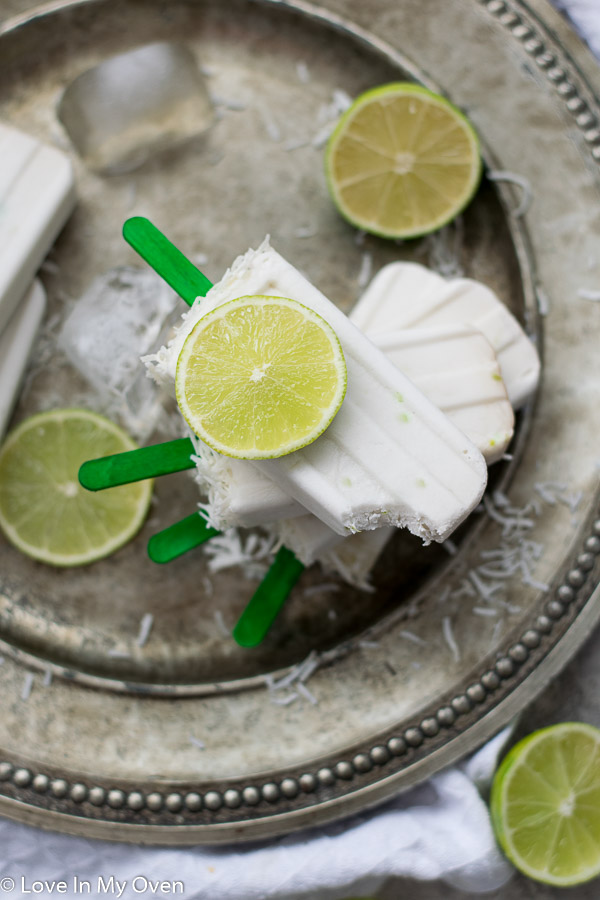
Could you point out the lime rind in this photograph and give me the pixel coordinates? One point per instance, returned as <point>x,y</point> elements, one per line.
<point>510,768</point>
<point>186,356</point>
<point>405,89</point>
<point>99,524</point>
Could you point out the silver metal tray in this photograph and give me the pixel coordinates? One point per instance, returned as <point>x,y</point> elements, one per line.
<point>180,741</point>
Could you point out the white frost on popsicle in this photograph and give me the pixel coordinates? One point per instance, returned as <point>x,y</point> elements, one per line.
<point>390,457</point>
<point>407,295</point>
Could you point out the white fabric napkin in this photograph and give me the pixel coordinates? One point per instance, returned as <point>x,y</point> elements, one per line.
<point>585,17</point>
<point>440,830</point>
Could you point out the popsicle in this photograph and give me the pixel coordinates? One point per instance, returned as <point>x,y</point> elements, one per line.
<point>16,342</point>
<point>390,457</point>
<point>453,365</point>
<point>37,194</point>
<point>407,295</point>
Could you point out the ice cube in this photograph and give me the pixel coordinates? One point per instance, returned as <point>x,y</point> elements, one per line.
<point>124,314</point>
<point>124,109</point>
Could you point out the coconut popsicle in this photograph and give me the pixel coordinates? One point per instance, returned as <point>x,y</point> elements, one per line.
<point>407,295</point>
<point>390,457</point>
<point>37,195</point>
<point>453,365</point>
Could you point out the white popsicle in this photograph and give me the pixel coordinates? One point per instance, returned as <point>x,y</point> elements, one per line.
<point>390,457</point>
<point>457,369</point>
<point>407,295</point>
<point>453,365</point>
<point>37,194</point>
<point>16,342</point>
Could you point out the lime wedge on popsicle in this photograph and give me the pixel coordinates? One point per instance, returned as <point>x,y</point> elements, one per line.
<point>260,377</point>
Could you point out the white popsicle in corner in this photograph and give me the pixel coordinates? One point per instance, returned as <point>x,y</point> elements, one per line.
<point>390,457</point>
<point>37,195</point>
<point>457,369</point>
<point>16,342</point>
<point>407,295</point>
<point>453,365</point>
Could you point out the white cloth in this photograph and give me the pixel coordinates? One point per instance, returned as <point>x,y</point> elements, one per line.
<point>440,830</point>
<point>585,16</point>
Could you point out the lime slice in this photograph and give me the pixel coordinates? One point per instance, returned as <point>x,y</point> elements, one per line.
<point>545,804</point>
<point>259,377</point>
<point>43,509</point>
<point>402,161</point>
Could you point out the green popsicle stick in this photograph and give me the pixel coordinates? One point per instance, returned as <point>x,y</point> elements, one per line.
<point>166,260</point>
<point>180,274</point>
<point>179,538</point>
<point>135,465</point>
<point>267,600</point>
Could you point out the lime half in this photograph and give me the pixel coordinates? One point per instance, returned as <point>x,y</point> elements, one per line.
<point>43,509</point>
<point>259,377</point>
<point>402,161</point>
<point>545,804</point>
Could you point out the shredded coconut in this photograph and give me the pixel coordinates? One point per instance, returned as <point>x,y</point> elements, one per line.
<point>443,596</point>
<point>307,231</point>
<point>366,268</point>
<point>302,72</point>
<point>220,622</point>
<point>253,552</point>
<point>414,638</point>
<point>543,301</point>
<point>449,638</point>
<point>304,692</point>
<point>287,689</point>
<point>271,126</point>
<point>522,182</point>
<point>27,685</point>
<point>197,743</point>
<point>553,492</point>
<point>328,115</point>
<point>586,294</point>
<point>50,266</point>
<point>285,700</point>
<point>145,629</point>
